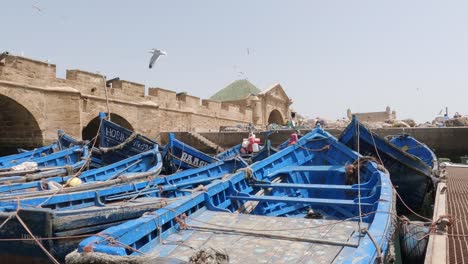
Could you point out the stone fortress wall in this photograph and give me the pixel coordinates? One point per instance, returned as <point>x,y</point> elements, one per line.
<point>35,104</point>
<point>388,114</point>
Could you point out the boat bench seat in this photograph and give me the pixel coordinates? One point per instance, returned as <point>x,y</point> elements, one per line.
<point>311,186</point>
<point>324,168</point>
<point>282,199</point>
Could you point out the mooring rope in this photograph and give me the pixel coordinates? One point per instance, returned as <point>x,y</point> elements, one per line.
<point>380,259</point>
<point>119,146</point>
<point>107,100</point>
<point>359,179</point>
<point>398,195</point>
<point>326,147</point>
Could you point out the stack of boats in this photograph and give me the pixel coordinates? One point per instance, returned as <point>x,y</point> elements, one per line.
<point>133,200</point>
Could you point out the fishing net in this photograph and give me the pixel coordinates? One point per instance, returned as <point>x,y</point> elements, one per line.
<point>102,258</point>
<point>202,256</point>
<point>209,256</point>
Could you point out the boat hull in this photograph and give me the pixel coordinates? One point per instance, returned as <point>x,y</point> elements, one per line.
<point>410,176</point>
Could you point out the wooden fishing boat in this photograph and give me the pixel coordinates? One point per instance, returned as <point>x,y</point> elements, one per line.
<point>306,203</point>
<point>58,164</point>
<point>176,154</point>
<point>412,146</point>
<point>40,185</point>
<point>11,160</point>
<point>410,175</point>
<point>78,211</point>
<point>179,155</point>
<point>265,151</point>
<point>66,141</point>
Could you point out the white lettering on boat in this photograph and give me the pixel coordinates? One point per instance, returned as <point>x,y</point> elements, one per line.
<point>187,158</point>
<point>120,137</point>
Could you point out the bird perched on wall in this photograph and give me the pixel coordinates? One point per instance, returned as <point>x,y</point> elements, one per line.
<point>156,53</point>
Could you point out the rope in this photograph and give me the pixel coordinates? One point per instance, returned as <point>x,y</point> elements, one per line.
<point>359,180</point>
<point>326,147</point>
<point>37,241</point>
<point>8,219</point>
<point>272,236</point>
<point>78,173</point>
<point>114,241</point>
<point>88,159</point>
<point>249,174</point>
<point>44,238</point>
<point>317,139</point>
<point>119,146</point>
<point>139,193</point>
<point>107,100</point>
<point>398,195</point>
<point>377,248</point>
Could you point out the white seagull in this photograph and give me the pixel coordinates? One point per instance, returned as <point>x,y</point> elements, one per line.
<point>156,53</point>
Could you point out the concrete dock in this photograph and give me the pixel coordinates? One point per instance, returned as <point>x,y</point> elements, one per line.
<point>450,244</point>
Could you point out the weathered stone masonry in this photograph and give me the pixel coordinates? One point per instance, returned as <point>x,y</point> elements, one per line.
<point>34,104</point>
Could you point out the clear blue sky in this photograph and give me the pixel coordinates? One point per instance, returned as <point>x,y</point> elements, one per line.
<point>328,55</point>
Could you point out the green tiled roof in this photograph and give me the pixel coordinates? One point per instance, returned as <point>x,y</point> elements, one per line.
<point>235,91</point>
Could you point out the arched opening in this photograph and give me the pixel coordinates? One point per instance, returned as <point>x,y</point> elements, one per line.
<point>18,127</point>
<point>91,130</point>
<point>275,117</point>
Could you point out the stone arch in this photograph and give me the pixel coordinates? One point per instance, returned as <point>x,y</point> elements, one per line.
<point>90,130</point>
<point>275,117</point>
<point>19,128</point>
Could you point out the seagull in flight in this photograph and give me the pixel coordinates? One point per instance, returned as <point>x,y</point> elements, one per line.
<point>156,53</point>
<point>36,7</point>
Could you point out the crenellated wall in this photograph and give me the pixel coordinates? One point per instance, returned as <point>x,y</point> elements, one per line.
<point>71,103</point>
<point>184,112</point>
<point>374,116</point>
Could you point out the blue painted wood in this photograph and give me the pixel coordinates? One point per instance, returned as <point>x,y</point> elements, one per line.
<point>227,194</point>
<point>298,200</point>
<point>77,213</point>
<point>311,186</point>
<point>182,156</point>
<point>176,154</point>
<point>113,134</point>
<point>264,152</point>
<point>61,158</point>
<point>409,174</point>
<point>231,152</point>
<point>67,141</point>
<point>412,146</point>
<point>15,159</point>
<point>147,161</point>
<point>66,201</point>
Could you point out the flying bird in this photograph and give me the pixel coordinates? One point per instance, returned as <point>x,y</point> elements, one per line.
<point>156,53</point>
<point>36,7</point>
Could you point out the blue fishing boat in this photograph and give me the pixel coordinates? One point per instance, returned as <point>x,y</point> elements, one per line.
<point>316,200</point>
<point>412,146</point>
<point>410,175</point>
<point>118,142</point>
<point>79,211</point>
<point>236,151</point>
<point>12,160</point>
<point>59,163</point>
<point>230,153</point>
<point>179,155</point>
<point>66,141</point>
<point>149,161</point>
